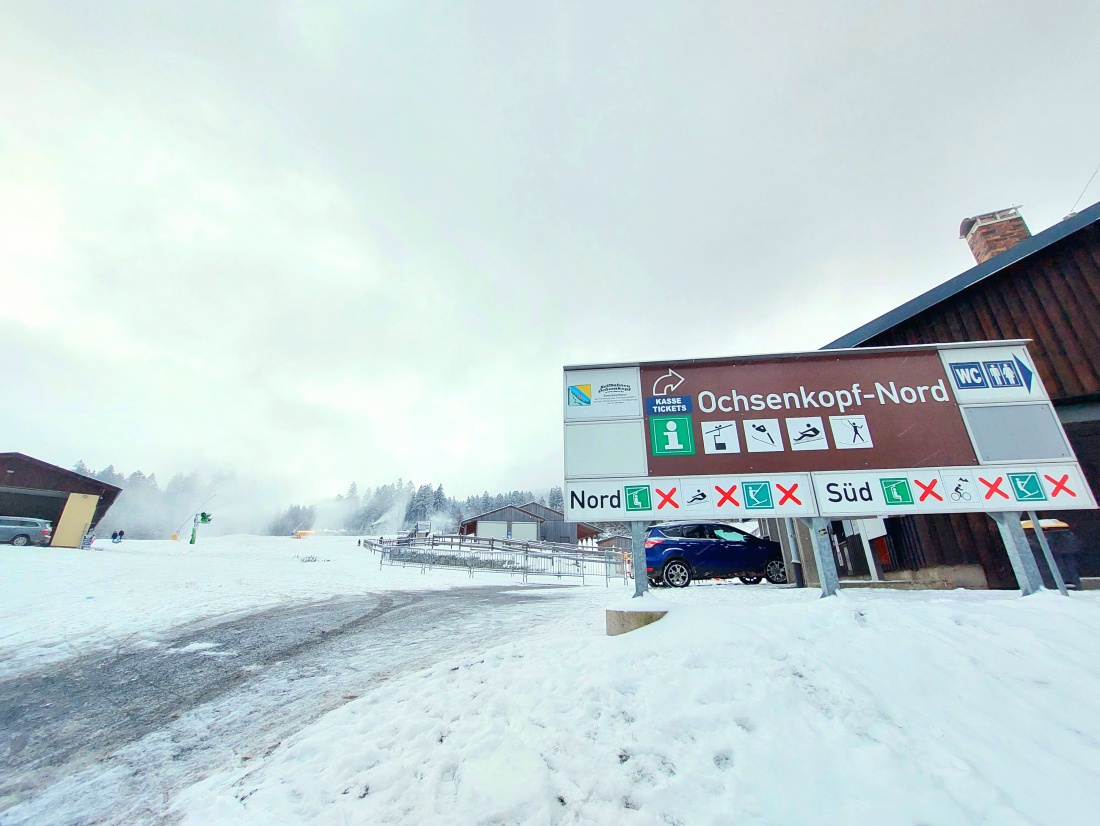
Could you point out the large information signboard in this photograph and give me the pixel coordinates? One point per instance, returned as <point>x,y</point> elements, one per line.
<point>867,432</point>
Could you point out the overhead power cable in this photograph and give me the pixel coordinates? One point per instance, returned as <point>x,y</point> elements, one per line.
<point>1073,208</point>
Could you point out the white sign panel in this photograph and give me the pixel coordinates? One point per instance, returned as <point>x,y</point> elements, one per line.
<point>607,393</point>
<point>690,497</point>
<point>980,375</point>
<point>952,490</point>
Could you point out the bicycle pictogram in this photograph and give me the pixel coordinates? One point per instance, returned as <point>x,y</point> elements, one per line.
<point>960,494</point>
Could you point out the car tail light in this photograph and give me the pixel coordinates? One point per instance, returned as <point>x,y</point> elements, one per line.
<point>45,532</point>
<point>651,543</point>
<point>648,570</point>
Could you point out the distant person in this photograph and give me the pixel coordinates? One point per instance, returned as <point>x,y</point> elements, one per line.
<point>121,533</point>
<point>358,543</point>
<point>114,536</point>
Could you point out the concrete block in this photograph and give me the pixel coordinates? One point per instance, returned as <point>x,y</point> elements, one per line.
<point>620,622</point>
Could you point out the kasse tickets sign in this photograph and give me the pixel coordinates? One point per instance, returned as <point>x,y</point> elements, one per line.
<point>864,432</point>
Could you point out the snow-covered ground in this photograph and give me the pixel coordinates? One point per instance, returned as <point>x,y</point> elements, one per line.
<point>746,705</point>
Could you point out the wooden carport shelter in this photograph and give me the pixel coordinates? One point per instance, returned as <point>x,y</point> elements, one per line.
<point>35,489</point>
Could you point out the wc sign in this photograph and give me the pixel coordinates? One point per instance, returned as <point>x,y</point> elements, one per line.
<point>1000,373</point>
<point>969,375</point>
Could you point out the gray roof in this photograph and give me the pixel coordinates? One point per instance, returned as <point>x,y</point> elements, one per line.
<point>515,509</point>
<point>994,265</point>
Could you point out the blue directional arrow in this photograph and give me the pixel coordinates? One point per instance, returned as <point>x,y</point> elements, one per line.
<point>1025,371</point>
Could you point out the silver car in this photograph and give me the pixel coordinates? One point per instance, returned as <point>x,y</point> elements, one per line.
<point>21,530</point>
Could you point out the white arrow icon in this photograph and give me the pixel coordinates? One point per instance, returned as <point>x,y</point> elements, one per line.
<point>667,383</point>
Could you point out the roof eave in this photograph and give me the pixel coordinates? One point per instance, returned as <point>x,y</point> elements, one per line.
<point>1027,247</point>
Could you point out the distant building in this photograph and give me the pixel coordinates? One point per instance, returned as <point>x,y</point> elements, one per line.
<point>531,521</point>
<point>35,489</point>
<point>614,543</point>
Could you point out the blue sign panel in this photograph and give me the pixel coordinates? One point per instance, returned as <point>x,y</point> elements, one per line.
<point>969,375</point>
<point>667,405</point>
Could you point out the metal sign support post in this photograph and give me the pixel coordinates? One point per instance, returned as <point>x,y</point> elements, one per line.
<point>1054,572</point>
<point>823,556</point>
<point>796,556</point>
<point>637,557</point>
<point>1019,552</point>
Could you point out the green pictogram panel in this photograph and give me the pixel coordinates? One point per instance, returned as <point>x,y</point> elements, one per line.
<point>1026,487</point>
<point>672,435</point>
<point>896,491</point>
<point>758,495</point>
<point>638,498</point>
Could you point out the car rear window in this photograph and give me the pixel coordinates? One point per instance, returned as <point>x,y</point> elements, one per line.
<point>672,530</point>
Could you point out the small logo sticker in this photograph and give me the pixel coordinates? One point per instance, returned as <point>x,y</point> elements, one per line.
<point>580,395</point>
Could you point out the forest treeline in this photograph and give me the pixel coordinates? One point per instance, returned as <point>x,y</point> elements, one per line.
<point>148,511</point>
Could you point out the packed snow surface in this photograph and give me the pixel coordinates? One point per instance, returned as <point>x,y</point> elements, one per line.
<point>744,705</point>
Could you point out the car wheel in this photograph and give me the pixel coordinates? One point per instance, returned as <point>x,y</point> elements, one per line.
<point>776,572</point>
<point>677,574</point>
<point>21,540</point>
<point>750,580</point>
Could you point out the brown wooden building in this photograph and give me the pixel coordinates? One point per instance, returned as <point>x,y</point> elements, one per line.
<point>1045,288</point>
<point>32,488</point>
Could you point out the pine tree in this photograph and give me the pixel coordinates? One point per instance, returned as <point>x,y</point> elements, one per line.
<point>111,476</point>
<point>556,499</point>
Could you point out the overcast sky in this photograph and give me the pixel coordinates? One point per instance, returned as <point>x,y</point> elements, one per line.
<point>317,242</point>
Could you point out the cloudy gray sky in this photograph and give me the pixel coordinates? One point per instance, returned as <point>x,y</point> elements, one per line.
<point>316,242</point>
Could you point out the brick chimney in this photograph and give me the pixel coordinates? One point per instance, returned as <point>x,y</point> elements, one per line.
<point>994,232</point>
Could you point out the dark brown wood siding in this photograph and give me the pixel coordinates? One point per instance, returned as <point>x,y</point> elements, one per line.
<point>1053,298</point>
<point>19,472</point>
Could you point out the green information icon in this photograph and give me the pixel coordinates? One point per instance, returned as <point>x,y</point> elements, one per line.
<point>1027,487</point>
<point>758,495</point>
<point>672,435</point>
<point>896,491</point>
<point>638,498</point>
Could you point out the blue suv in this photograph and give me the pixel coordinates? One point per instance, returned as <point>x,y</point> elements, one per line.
<point>678,552</point>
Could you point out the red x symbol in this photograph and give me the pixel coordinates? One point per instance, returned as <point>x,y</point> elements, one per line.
<point>727,496</point>
<point>1059,486</point>
<point>788,493</point>
<point>993,487</point>
<point>666,498</point>
<point>926,490</point>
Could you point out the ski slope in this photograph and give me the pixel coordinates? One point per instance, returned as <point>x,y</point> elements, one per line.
<point>746,705</point>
